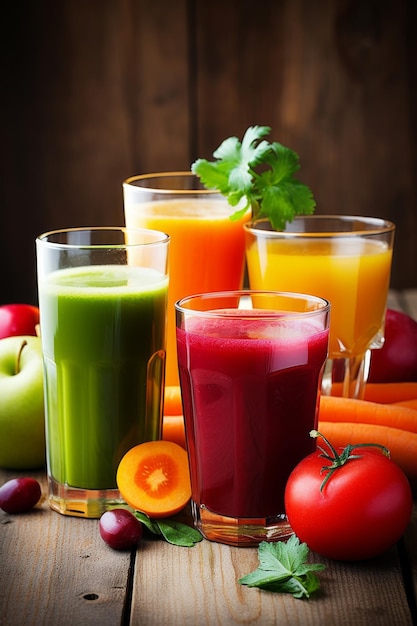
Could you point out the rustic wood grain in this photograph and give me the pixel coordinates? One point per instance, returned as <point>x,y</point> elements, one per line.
<point>158,87</point>
<point>97,91</point>
<point>410,556</point>
<point>198,586</point>
<point>333,80</point>
<point>57,570</point>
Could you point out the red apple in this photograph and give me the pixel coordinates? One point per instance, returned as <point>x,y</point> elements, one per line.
<point>18,320</point>
<point>396,361</point>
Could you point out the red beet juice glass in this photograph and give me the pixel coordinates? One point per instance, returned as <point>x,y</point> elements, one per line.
<point>250,365</point>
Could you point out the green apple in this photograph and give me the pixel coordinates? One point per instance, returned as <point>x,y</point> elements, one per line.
<point>22,415</point>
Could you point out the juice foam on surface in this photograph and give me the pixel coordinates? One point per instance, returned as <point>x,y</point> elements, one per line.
<point>105,280</point>
<point>205,209</point>
<point>260,325</point>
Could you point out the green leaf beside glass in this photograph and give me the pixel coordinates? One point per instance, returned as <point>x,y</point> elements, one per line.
<point>283,568</point>
<point>170,530</point>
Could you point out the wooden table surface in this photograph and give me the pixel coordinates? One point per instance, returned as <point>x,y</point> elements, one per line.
<point>57,571</point>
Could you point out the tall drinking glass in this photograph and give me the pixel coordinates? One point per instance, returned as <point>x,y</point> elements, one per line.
<point>102,299</point>
<point>345,259</point>
<point>250,368</point>
<point>207,250</point>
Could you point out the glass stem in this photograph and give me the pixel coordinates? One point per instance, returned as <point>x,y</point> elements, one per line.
<point>346,377</point>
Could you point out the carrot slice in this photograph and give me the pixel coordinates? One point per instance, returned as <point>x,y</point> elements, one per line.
<point>173,429</point>
<point>172,400</point>
<point>154,478</point>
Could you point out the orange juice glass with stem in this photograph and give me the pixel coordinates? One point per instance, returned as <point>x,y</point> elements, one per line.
<point>344,259</point>
<point>207,248</point>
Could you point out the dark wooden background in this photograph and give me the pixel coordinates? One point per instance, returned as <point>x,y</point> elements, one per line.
<point>93,91</point>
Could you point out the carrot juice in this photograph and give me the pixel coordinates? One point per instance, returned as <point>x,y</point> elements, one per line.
<point>207,249</point>
<point>344,259</point>
<point>354,277</point>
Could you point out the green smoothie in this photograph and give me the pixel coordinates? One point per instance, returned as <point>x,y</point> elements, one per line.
<point>103,339</point>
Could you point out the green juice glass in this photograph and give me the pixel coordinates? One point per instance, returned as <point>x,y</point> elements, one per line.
<point>103,301</point>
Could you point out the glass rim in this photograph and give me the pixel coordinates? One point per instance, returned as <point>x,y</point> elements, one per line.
<point>323,305</point>
<point>130,182</point>
<point>378,226</point>
<point>160,238</point>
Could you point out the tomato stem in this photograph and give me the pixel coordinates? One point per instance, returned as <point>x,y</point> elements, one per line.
<point>338,460</point>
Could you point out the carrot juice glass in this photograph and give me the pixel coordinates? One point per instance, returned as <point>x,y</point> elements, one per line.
<point>207,249</point>
<point>344,259</point>
<point>250,365</point>
<point>102,299</point>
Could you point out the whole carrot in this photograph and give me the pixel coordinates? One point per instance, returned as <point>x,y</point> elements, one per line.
<point>402,444</point>
<point>172,400</point>
<point>173,429</point>
<point>411,404</point>
<point>390,392</point>
<point>337,409</point>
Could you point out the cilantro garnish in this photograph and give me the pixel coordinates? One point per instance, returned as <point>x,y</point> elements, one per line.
<point>283,568</point>
<point>259,172</point>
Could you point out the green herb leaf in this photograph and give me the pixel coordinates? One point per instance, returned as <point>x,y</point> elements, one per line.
<point>283,568</point>
<point>151,525</point>
<point>178,534</point>
<point>259,175</point>
<point>172,531</point>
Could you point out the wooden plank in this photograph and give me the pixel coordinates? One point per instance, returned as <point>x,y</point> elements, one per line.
<point>410,555</point>
<point>99,90</point>
<point>238,69</point>
<point>57,570</point>
<point>183,587</point>
<point>332,83</point>
<point>157,87</point>
<point>94,92</point>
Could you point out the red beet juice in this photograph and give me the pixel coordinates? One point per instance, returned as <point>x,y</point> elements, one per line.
<point>249,389</point>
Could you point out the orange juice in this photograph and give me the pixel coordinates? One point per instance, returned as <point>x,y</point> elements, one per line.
<point>353,273</point>
<point>207,251</point>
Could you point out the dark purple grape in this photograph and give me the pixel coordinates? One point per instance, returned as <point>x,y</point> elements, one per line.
<point>19,495</point>
<point>120,529</point>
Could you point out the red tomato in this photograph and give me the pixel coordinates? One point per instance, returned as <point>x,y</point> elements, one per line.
<point>362,510</point>
<point>18,319</point>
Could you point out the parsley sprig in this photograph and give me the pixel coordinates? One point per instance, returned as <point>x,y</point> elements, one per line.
<point>259,175</point>
<point>284,568</point>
